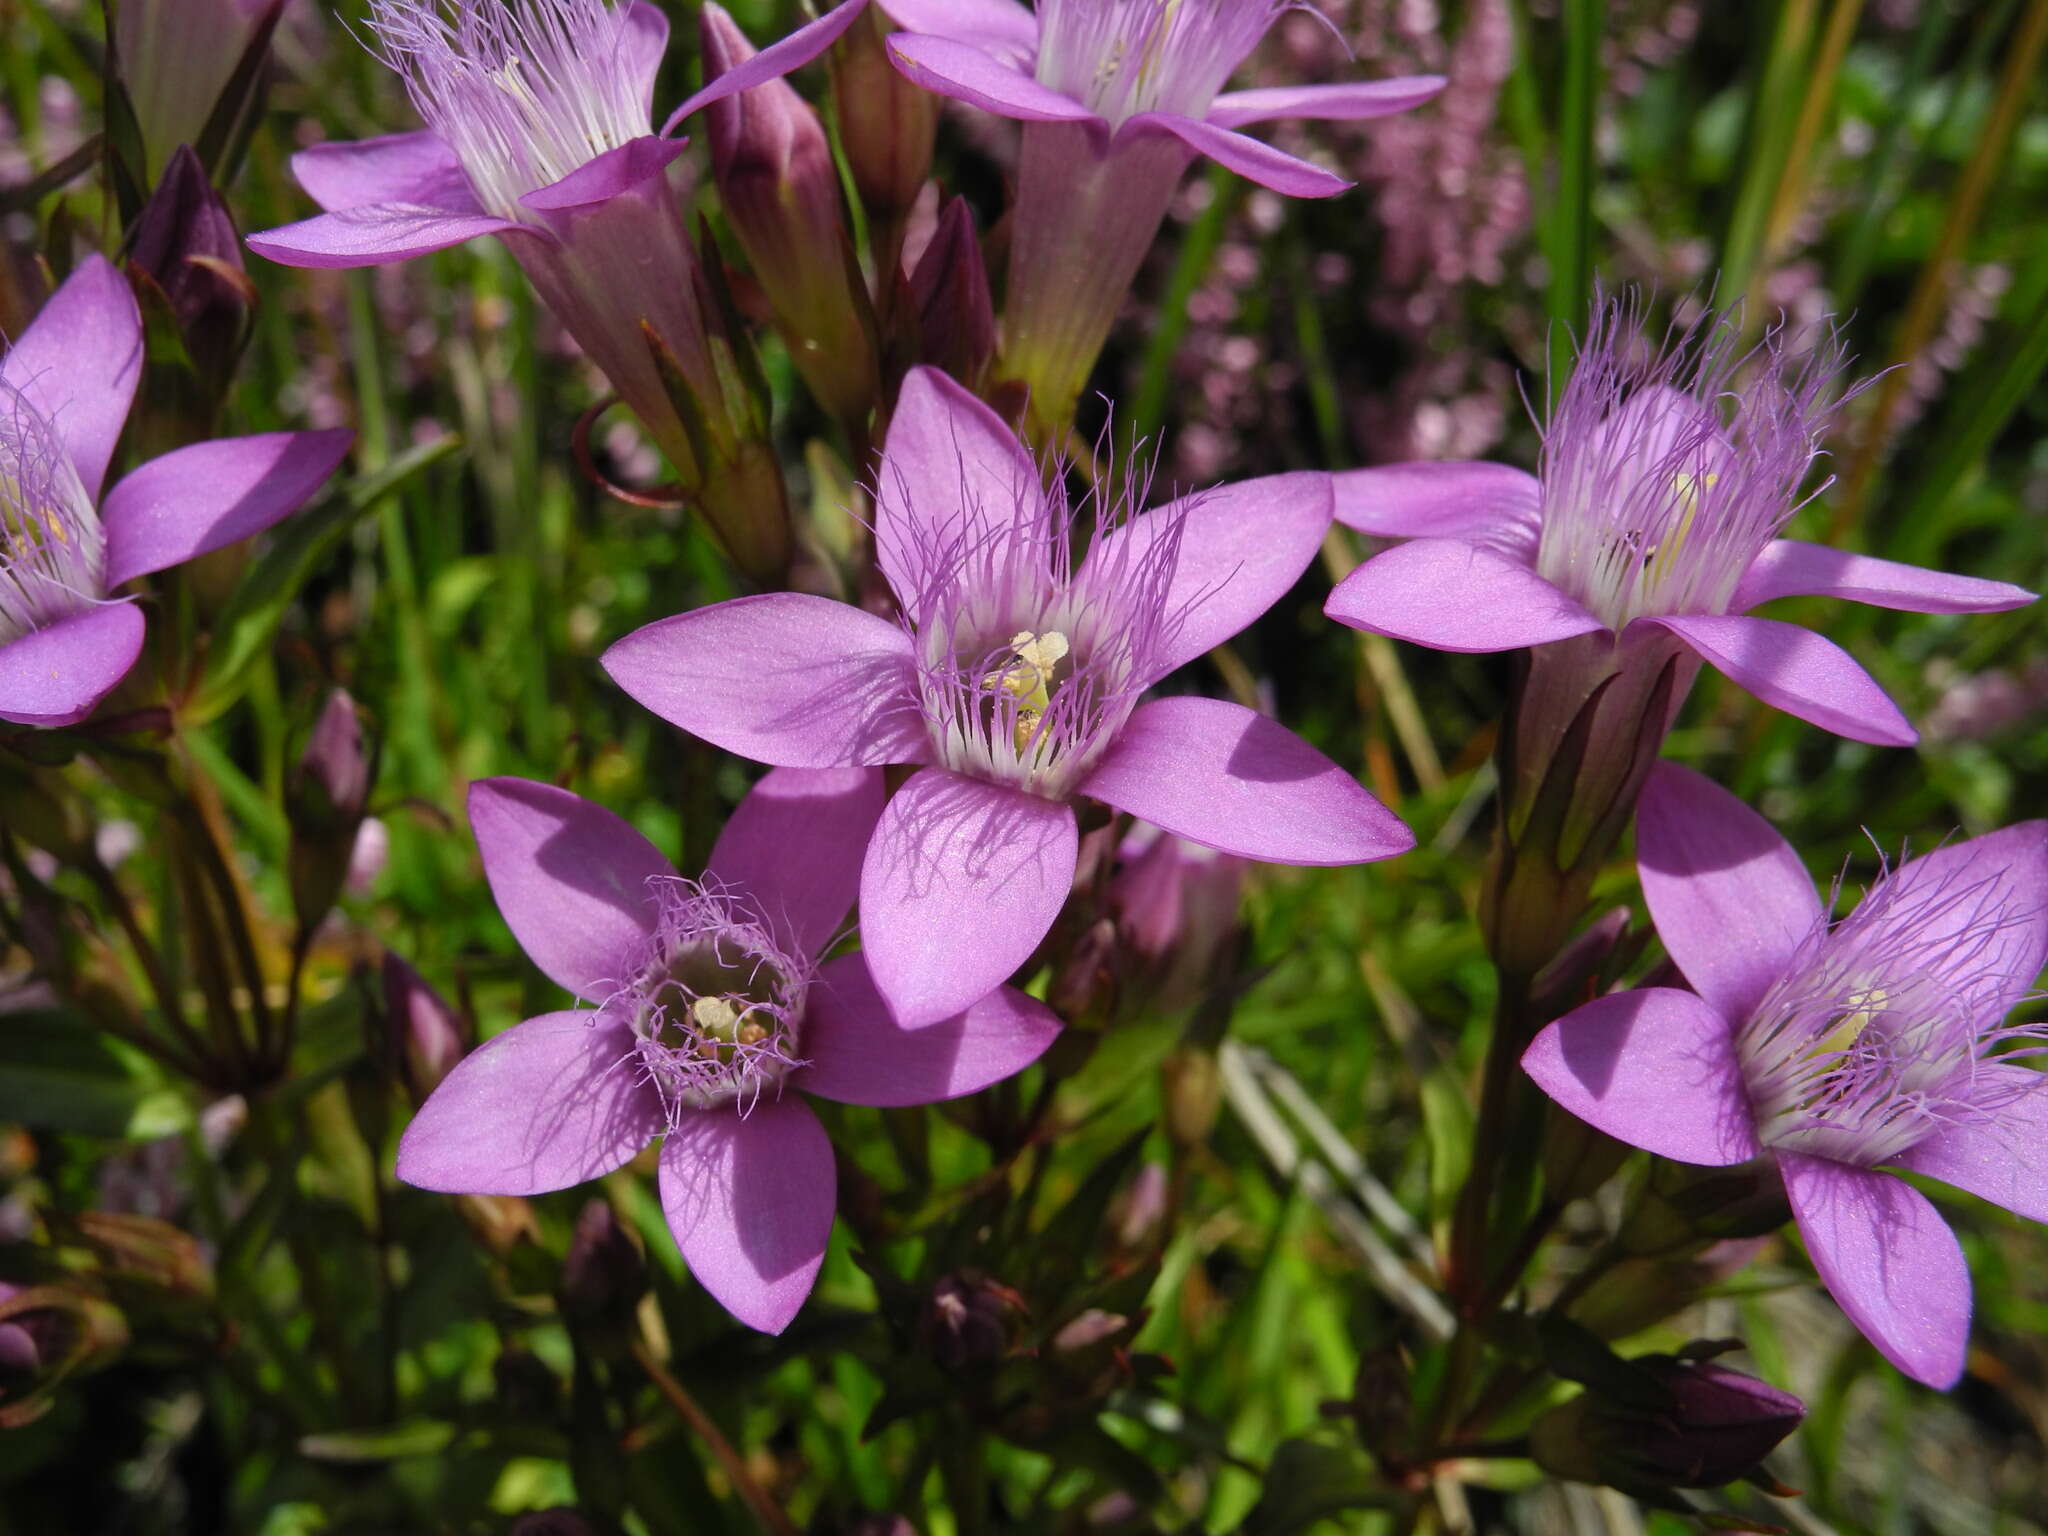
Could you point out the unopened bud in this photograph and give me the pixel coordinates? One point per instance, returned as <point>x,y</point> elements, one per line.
<point>1083,989</point>
<point>142,1253</point>
<point>1577,1159</point>
<point>886,123</point>
<point>428,1037</point>
<point>1192,1082</point>
<point>780,190</point>
<point>968,1320</point>
<point>1176,904</point>
<point>324,802</point>
<point>956,319</point>
<point>1632,1295</point>
<point>186,243</point>
<point>1139,1210</point>
<point>1685,1206</point>
<point>604,1274</point>
<point>1684,1424</point>
<point>46,1333</point>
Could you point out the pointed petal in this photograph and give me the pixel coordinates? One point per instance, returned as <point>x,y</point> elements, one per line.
<point>859,1054</point>
<point>605,177</point>
<point>208,495</point>
<point>774,61</point>
<point>1453,596</point>
<point>417,168</point>
<point>1797,671</point>
<point>1348,101</point>
<point>783,678</point>
<point>643,48</point>
<point>1984,899</point>
<point>549,1103</point>
<point>1227,777</point>
<point>967,73</point>
<point>994,25</point>
<point>1788,568</point>
<point>1654,1068</point>
<point>2003,1158</point>
<point>750,1198</point>
<point>1495,506</point>
<point>1242,547</point>
<point>795,845</point>
<point>1730,898</point>
<point>371,234</point>
<point>1889,1261</point>
<point>962,881</point>
<point>953,477</point>
<point>571,879</point>
<point>1249,157</point>
<point>78,362</point>
<point>56,675</point>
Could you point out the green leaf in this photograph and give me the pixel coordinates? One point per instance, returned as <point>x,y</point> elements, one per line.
<point>1308,1482</point>
<point>390,1442</point>
<point>57,1073</point>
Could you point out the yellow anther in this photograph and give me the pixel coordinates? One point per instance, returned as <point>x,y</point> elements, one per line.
<point>716,1016</point>
<point>1868,1004</point>
<point>1029,678</point>
<point>751,1033</point>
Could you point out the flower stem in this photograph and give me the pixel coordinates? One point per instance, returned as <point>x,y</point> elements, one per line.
<point>757,1498</point>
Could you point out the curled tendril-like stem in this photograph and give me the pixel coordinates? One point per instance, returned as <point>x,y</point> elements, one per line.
<point>671,497</point>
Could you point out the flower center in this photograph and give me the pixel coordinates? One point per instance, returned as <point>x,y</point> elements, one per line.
<point>524,91</point>
<point>52,551</point>
<point>1029,679</point>
<point>1123,57</point>
<point>718,1005</point>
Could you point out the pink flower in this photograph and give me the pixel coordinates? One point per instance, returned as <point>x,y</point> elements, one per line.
<point>65,387</point>
<point>1836,1049</point>
<point>712,999</point>
<point>1014,681</point>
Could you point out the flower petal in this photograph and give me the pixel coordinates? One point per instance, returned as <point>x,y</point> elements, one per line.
<point>371,234</point>
<point>1242,547</point>
<point>1347,101</point>
<point>953,478</point>
<point>643,47</point>
<point>1453,596</point>
<point>1654,1068</point>
<point>784,678</point>
<point>549,1103</point>
<point>604,177</point>
<point>2003,1158</point>
<point>795,844</point>
<point>1889,1260</point>
<point>774,61</point>
<point>968,73</point>
<point>78,362</point>
<point>57,675</point>
<point>1985,899</point>
<point>1495,506</point>
<point>750,1197</point>
<point>1249,157</point>
<point>208,495</point>
<point>571,879</point>
<point>417,168</point>
<point>1788,568</point>
<point>1730,898</point>
<point>962,881</point>
<point>859,1054</point>
<point>1227,777</point>
<point>1796,670</point>
<point>1001,27</point>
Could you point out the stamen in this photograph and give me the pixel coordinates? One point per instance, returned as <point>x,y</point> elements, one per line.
<point>1123,57</point>
<point>52,552</point>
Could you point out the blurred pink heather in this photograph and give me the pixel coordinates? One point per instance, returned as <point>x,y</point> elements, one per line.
<point>1117,97</point>
<point>1014,680</point>
<point>1835,1049</point>
<point>1667,472</point>
<point>65,387</point>
<point>710,998</point>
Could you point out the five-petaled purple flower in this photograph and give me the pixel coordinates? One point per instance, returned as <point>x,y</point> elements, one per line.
<point>1653,529</point>
<point>1835,1049</point>
<point>1117,97</point>
<point>711,1002</point>
<point>1014,679</point>
<point>65,388</point>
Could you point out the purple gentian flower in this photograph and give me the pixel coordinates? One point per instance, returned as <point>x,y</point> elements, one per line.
<point>1117,97</point>
<point>539,130</point>
<point>711,1003</point>
<point>65,388</point>
<point>1653,527</point>
<point>1835,1049</point>
<point>1014,680</point>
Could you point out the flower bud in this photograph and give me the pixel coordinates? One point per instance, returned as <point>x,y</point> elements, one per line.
<point>968,1320</point>
<point>324,802</point>
<point>427,1036</point>
<point>604,1275</point>
<point>186,244</point>
<point>886,124</point>
<point>1638,1292</point>
<point>1684,1424</point>
<point>780,189</point>
<point>956,320</point>
<point>1577,1159</point>
<point>1176,904</point>
<point>1083,989</point>
<point>46,1333</point>
<point>190,70</point>
<point>142,1254</point>
<point>1192,1083</point>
